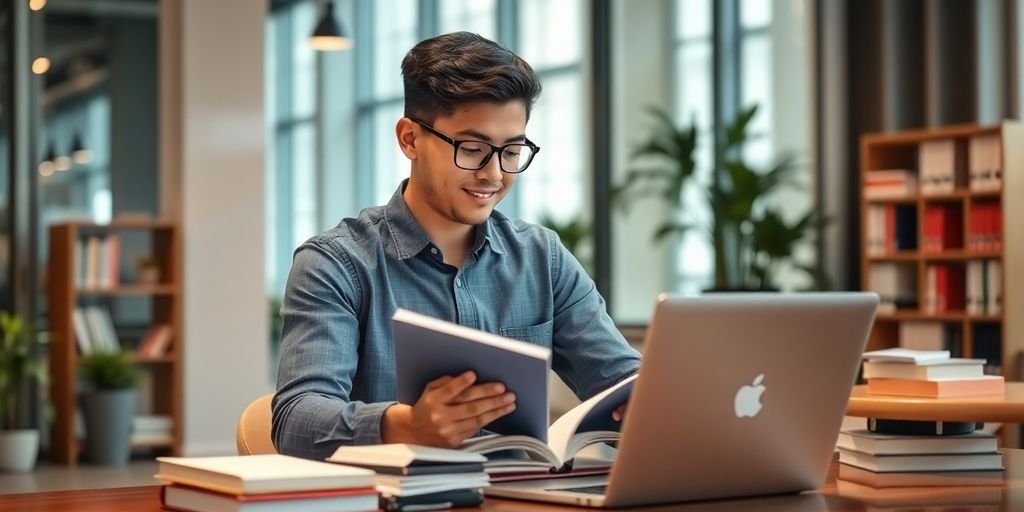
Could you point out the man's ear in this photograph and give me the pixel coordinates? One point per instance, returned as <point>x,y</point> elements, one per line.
<point>405,132</point>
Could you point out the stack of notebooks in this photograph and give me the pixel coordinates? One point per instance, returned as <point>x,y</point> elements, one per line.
<point>412,477</point>
<point>263,483</point>
<point>927,374</point>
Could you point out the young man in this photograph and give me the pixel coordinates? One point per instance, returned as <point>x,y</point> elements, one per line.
<point>437,248</point>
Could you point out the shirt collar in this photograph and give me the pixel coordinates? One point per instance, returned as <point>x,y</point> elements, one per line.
<point>410,238</point>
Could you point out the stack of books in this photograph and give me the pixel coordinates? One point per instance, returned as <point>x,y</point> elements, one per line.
<point>927,374</point>
<point>263,483</point>
<point>413,477</point>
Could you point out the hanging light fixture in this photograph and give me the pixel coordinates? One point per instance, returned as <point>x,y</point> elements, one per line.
<point>46,167</point>
<point>79,153</point>
<point>62,162</point>
<point>329,35</point>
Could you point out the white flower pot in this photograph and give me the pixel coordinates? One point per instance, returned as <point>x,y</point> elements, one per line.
<point>18,450</point>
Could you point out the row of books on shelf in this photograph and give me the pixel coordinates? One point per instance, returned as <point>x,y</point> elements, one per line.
<point>975,287</point>
<point>985,227</point>
<point>95,332</point>
<point>942,169</point>
<point>98,262</point>
<point>891,228</point>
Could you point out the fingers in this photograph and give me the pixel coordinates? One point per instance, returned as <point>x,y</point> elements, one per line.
<point>470,425</point>
<point>619,412</point>
<point>480,407</point>
<point>480,391</point>
<point>446,390</point>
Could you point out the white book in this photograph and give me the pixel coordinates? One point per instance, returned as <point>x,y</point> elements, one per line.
<point>261,474</point>
<point>993,305</point>
<point>929,370</point>
<point>906,355</point>
<point>82,337</point>
<point>197,500</point>
<point>865,441</point>
<point>400,455</point>
<point>973,298</point>
<point>930,462</point>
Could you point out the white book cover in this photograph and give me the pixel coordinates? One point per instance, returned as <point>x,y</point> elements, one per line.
<point>400,455</point>
<point>903,355</point>
<point>928,370</point>
<point>82,337</point>
<point>260,474</point>
<point>994,299</point>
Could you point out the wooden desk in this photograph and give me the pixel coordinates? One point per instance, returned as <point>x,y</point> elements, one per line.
<point>1008,408</point>
<point>833,496</point>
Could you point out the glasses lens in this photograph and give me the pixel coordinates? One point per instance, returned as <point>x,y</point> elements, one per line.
<point>516,157</point>
<point>471,155</point>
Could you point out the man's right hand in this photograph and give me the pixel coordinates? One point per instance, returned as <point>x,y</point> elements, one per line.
<point>450,410</point>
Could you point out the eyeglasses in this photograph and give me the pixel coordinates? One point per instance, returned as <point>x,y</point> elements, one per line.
<point>473,155</point>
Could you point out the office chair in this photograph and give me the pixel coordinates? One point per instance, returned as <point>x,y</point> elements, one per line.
<point>252,436</point>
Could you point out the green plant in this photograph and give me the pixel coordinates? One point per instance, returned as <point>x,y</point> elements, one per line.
<point>750,237</point>
<point>19,365</point>
<point>107,371</point>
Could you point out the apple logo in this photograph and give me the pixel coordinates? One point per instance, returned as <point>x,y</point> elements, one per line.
<point>748,399</point>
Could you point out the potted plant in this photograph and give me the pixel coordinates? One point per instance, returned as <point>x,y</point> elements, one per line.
<point>19,366</point>
<point>750,238</point>
<point>108,405</point>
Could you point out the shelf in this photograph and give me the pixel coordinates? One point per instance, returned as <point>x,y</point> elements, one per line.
<point>896,256</point>
<point>892,200</point>
<point>954,316</point>
<point>131,289</point>
<point>960,255</point>
<point>123,225</point>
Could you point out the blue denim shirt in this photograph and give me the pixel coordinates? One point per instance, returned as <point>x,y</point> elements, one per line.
<point>337,370</point>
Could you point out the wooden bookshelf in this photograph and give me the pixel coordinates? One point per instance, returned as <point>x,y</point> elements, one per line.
<point>65,295</point>
<point>900,150</point>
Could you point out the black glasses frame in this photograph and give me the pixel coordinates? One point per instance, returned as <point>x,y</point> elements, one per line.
<point>534,149</point>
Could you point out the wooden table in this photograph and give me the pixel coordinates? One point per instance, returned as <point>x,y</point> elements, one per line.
<point>1008,408</point>
<point>833,496</point>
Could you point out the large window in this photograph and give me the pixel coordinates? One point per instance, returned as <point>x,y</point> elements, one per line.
<point>763,59</point>
<point>292,173</point>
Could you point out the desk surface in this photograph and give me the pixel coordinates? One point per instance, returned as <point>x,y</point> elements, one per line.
<point>1008,408</point>
<point>834,496</point>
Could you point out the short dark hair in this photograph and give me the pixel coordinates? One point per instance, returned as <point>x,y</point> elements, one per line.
<point>449,70</point>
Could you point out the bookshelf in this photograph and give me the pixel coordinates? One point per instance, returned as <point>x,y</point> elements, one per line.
<point>73,282</point>
<point>950,230</point>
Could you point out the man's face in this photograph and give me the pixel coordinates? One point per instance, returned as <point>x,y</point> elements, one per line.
<point>460,195</point>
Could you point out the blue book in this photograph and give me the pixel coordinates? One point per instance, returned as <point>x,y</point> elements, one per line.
<point>427,348</point>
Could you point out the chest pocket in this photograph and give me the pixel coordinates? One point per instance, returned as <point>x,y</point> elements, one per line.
<point>536,334</point>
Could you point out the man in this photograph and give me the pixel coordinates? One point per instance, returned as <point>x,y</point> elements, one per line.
<point>437,248</point>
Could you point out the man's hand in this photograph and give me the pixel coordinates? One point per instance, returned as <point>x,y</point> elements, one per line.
<point>450,410</point>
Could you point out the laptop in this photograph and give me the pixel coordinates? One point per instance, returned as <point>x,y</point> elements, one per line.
<point>738,395</point>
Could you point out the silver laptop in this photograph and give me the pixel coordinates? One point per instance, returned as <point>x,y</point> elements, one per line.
<point>738,395</point>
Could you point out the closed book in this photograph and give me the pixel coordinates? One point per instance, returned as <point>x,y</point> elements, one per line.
<point>904,355</point>
<point>955,368</point>
<point>261,474</point>
<point>947,388</point>
<point>176,497</point>
<point>396,485</point>
<point>434,501</point>
<point>929,462</point>
<point>868,442</point>
<point>921,479</point>
<point>408,459</point>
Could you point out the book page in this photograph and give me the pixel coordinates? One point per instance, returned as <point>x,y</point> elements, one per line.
<point>534,448</point>
<point>593,415</point>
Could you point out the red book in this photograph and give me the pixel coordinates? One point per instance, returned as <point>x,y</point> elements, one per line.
<point>941,288</point>
<point>956,288</point>
<point>997,226</point>
<point>974,228</point>
<point>952,227</point>
<point>929,238</point>
<point>194,499</point>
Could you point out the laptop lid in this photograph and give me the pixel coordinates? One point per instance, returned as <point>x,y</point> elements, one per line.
<point>738,395</point>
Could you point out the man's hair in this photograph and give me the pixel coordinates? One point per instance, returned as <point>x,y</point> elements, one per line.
<point>446,71</point>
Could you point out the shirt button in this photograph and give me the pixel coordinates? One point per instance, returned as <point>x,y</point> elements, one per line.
<point>433,250</point>
<point>458,283</point>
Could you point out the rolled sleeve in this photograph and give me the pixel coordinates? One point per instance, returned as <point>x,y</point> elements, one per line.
<point>313,411</point>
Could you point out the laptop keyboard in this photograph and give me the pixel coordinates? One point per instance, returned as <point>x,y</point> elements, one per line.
<point>592,489</point>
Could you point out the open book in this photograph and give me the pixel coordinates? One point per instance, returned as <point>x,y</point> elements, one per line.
<point>588,423</point>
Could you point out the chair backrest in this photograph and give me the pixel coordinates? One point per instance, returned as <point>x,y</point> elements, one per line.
<point>252,437</point>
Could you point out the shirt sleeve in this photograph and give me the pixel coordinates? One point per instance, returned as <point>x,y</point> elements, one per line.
<point>312,411</point>
<point>589,352</point>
